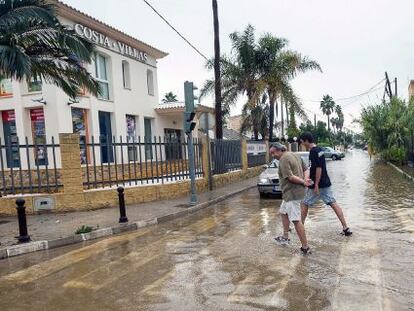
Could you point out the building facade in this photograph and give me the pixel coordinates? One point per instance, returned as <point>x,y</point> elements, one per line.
<point>128,106</point>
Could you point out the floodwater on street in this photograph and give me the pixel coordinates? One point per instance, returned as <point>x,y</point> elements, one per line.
<point>224,258</point>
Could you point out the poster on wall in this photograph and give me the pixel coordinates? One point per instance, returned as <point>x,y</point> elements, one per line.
<point>10,137</point>
<point>37,118</point>
<point>131,123</point>
<point>80,126</point>
<point>6,88</point>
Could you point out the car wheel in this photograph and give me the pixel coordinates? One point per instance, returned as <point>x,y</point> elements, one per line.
<point>263,195</point>
<point>334,158</point>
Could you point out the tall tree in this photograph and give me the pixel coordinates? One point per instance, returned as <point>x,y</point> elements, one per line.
<point>217,74</point>
<point>34,43</point>
<point>278,66</point>
<point>255,119</point>
<point>169,97</point>
<point>327,107</point>
<point>239,71</point>
<point>340,118</point>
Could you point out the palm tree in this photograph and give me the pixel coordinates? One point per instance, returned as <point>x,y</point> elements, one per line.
<point>34,44</point>
<point>278,66</point>
<point>169,97</point>
<point>327,107</point>
<point>255,119</point>
<point>340,119</point>
<point>240,74</point>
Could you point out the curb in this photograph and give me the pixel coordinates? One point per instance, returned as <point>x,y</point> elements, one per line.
<point>35,246</point>
<point>401,171</point>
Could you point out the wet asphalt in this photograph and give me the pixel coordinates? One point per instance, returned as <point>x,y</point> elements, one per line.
<point>225,258</point>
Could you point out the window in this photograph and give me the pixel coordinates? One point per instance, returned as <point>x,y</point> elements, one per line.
<point>101,71</point>
<point>150,82</point>
<point>148,138</point>
<point>34,85</point>
<point>126,75</point>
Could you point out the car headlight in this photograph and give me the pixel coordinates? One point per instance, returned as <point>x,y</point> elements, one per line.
<point>263,180</point>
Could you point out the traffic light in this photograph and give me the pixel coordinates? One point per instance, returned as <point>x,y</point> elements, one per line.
<point>189,114</point>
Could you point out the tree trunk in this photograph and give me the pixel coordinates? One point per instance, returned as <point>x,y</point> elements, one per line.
<point>282,124</point>
<point>217,74</point>
<point>272,101</point>
<point>329,126</point>
<point>287,114</point>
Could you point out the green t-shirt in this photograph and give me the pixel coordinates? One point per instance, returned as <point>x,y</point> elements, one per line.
<point>291,164</point>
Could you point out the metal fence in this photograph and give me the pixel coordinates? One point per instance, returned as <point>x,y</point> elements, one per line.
<point>256,153</point>
<point>226,156</point>
<point>28,167</point>
<point>134,160</point>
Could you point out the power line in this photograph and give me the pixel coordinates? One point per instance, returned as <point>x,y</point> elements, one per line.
<point>173,28</point>
<point>371,89</point>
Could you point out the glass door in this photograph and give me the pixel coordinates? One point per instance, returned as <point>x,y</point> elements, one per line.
<point>107,154</point>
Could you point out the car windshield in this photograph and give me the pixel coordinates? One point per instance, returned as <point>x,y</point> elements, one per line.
<point>274,164</point>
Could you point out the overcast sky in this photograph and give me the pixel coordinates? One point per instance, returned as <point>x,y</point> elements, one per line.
<point>354,41</point>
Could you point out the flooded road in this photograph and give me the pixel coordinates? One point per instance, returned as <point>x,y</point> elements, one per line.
<point>224,258</point>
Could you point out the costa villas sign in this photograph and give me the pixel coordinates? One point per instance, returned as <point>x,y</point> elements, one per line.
<point>110,44</point>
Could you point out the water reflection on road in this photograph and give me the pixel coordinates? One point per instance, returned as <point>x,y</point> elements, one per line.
<point>224,258</point>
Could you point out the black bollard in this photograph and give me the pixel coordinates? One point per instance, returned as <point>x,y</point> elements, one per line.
<point>21,216</point>
<point>122,211</point>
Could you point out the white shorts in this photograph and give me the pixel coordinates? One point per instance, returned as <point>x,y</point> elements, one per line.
<point>291,209</point>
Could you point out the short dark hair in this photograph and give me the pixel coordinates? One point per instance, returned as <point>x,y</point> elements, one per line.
<point>307,136</point>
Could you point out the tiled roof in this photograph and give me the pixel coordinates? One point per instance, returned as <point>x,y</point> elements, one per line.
<point>171,105</point>
<point>177,105</point>
<point>62,5</point>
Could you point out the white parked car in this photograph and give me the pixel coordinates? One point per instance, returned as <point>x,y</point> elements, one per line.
<point>268,181</point>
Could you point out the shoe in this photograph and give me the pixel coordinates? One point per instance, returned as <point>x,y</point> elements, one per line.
<point>305,251</point>
<point>347,232</point>
<point>281,240</point>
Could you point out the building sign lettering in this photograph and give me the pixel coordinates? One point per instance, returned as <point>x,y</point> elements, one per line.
<point>106,42</point>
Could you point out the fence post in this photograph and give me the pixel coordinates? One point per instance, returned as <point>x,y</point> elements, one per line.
<point>71,174</point>
<point>245,163</point>
<point>207,161</point>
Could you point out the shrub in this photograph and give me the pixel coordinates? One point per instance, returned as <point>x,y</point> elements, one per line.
<point>397,155</point>
<point>84,229</point>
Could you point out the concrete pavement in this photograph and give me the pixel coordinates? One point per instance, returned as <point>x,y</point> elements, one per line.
<point>54,230</point>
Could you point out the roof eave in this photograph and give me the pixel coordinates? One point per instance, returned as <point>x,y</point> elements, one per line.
<point>75,15</point>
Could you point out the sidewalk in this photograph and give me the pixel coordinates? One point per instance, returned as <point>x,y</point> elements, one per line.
<point>53,230</point>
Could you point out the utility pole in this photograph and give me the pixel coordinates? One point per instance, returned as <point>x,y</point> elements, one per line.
<point>314,120</point>
<point>217,74</point>
<point>395,87</point>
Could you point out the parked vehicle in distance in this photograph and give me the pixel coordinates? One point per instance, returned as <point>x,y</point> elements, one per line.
<point>268,181</point>
<point>333,154</point>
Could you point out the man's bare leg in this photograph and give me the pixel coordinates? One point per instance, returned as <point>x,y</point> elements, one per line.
<point>300,230</point>
<point>339,213</point>
<point>304,212</point>
<point>286,223</point>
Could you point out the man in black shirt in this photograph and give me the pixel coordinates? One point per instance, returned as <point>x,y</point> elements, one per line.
<point>321,187</point>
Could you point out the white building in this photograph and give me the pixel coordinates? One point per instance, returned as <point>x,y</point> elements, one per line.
<point>129,105</point>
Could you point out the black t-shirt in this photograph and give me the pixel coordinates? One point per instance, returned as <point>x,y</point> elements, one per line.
<point>317,159</point>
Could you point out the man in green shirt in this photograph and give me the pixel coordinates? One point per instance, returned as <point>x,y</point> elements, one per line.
<point>292,182</point>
